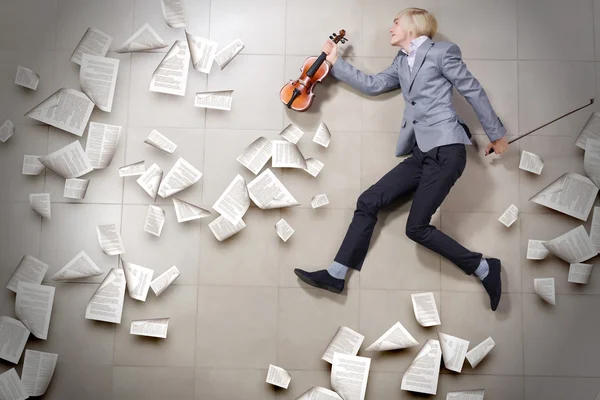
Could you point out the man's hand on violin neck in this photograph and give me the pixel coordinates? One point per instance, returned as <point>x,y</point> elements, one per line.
<point>330,48</point>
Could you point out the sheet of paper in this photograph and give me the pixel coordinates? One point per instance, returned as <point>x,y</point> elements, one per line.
<point>345,341</point>
<point>536,250</point>
<point>106,303</point>
<point>284,230</point>
<point>202,52</point>
<point>256,155</point>
<point>11,387</point>
<point>13,338</point>
<point>27,78</point>
<point>228,53</point>
<point>33,307</point>
<point>544,287</point>
<point>160,141</point>
<point>30,270</point>
<point>314,166</point>
<point>531,162</point>
<point>150,180</point>
<point>223,229</point>
<point>98,79</point>
<point>322,135</point>
<point>188,212</point>
<point>68,162</point>
<point>278,376</point>
<point>267,192</point>
<point>180,177</point>
<point>425,309</point>
<point>466,395</point>
<point>234,201</point>
<point>32,165</point>
<point>94,42</point>
<point>574,246</point>
<point>319,393</point>
<point>395,338</point>
<point>454,350</point>
<point>292,133</point>
<point>591,129</point>
<point>591,160</point>
<point>509,216</point>
<point>170,77</point>
<point>155,220</point>
<point>150,327</point>
<point>575,199</point>
<point>349,376</point>
<point>110,240</point>
<point>76,188</point>
<point>143,39</point>
<point>580,273</point>
<point>595,229</point>
<point>101,144</point>
<point>218,100</point>
<point>40,203</point>
<point>424,371</point>
<point>81,266</point>
<point>319,201</point>
<point>479,352</point>
<point>135,169</point>
<point>165,279</point>
<point>286,155</point>
<point>38,370</point>
<point>173,12</point>
<point>138,280</point>
<point>6,130</point>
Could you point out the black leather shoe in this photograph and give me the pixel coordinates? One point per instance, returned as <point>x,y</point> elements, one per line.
<point>321,279</point>
<point>493,283</point>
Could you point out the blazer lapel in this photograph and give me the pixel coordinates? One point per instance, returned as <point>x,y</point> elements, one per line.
<point>419,58</point>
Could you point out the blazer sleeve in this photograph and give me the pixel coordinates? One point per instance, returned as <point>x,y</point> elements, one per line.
<point>455,70</point>
<point>368,84</point>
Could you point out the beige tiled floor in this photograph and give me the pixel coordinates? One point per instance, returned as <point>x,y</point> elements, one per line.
<point>238,306</point>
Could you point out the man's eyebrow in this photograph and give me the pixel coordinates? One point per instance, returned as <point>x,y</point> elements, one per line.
<point>395,19</point>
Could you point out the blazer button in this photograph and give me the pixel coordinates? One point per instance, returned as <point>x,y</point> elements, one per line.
<point>415,121</point>
<point>413,103</point>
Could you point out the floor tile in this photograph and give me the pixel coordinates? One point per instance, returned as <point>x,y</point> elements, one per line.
<point>379,311</point>
<point>249,258</point>
<point>190,146</point>
<point>74,381</point>
<point>483,233</point>
<point>546,326</point>
<point>233,384</point>
<point>255,105</point>
<point>544,26</point>
<point>496,387</point>
<point>302,381</point>
<point>30,140</point>
<point>73,229</point>
<point>377,159</point>
<point>153,383</point>
<point>468,316</point>
<point>556,388</point>
<point>178,244</point>
<point>33,22</point>
<point>236,328</point>
<point>177,303</point>
<point>396,262</point>
<point>308,319</point>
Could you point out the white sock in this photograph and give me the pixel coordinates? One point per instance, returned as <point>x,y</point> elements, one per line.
<point>337,270</point>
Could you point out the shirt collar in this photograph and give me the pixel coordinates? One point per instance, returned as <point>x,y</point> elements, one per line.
<point>414,44</point>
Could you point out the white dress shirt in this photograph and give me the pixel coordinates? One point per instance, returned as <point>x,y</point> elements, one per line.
<point>414,45</point>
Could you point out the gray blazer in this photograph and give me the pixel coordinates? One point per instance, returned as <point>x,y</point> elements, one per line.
<point>429,116</point>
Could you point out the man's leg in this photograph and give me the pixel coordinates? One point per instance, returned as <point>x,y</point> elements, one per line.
<point>442,166</point>
<point>401,180</point>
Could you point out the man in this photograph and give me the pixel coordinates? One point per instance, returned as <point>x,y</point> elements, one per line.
<point>432,132</point>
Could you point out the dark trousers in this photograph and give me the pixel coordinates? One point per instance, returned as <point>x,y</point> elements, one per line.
<point>430,176</point>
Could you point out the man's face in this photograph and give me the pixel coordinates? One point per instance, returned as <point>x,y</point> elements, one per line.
<point>398,34</point>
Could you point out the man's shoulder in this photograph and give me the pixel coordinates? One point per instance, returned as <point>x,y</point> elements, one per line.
<point>443,45</point>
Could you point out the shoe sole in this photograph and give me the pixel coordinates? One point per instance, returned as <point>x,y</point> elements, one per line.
<point>318,285</point>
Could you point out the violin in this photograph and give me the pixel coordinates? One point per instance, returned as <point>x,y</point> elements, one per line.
<point>298,94</point>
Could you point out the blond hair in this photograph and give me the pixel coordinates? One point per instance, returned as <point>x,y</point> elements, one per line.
<point>419,21</point>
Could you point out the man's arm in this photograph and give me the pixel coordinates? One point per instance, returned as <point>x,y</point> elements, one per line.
<point>455,70</point>
<point>368,84</point>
